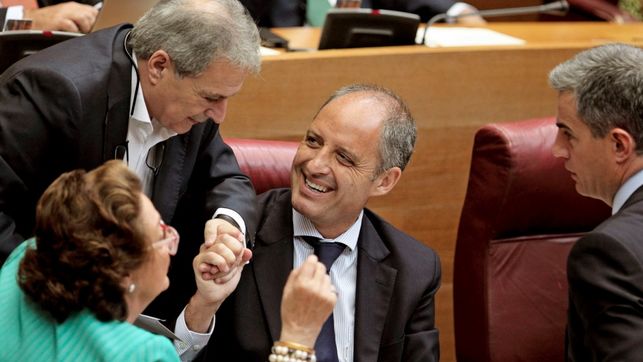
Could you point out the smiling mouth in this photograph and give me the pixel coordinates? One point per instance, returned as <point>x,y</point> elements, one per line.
<point>315,187</point>
<point>197,121</point>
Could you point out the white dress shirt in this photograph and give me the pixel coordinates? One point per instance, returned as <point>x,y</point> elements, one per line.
<point>143,133</point>
<point>626,190</point>
<point>343,275</point>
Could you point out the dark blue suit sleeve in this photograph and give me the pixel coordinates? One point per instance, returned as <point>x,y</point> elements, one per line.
<point>606,295</point>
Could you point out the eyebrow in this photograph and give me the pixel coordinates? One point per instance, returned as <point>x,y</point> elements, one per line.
<point>562,125</point>
<point>350,154</point>
<point>206,94</point>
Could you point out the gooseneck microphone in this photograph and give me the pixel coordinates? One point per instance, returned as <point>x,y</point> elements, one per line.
<point>556,8</point>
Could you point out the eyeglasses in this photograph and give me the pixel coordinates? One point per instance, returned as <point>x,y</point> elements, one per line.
<point>154,158</point>
<point>170,239</point>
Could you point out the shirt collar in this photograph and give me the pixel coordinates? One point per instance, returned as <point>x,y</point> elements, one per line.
<point>302,226</point>
<point>626,190</point>
<point>140,113</point>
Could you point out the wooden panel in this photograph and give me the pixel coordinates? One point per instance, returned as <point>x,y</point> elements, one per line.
<point>451,93</point>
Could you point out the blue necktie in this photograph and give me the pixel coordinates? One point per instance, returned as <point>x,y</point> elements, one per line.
<point>325,347</point>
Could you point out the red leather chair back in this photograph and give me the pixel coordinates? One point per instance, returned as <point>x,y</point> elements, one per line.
<point>266,162</point>
<point>521,215</point>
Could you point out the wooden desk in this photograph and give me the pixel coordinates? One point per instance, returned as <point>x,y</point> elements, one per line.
<point>450,91</point>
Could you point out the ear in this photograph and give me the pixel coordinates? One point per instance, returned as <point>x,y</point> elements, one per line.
<point>126,281</point>
<point>158,66</point>
<point>623,144</point>
<point>386,181</point>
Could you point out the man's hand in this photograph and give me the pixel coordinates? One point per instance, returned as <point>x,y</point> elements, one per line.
<point>210,294</point>
<point>233,250</point>
<point>308,301</point>
<point>69,16</point>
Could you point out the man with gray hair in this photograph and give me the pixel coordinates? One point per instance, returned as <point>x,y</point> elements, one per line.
<point>153,95</point>
<point>600,138</point>
<point>355,148</point>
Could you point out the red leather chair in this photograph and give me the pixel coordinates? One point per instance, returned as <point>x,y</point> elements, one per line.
<point>266,162</point>
<point>521,215</point>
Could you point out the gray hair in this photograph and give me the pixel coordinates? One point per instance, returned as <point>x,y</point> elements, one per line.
<point>607,82</point>
<point>398,135</point>
<point>196,33</point>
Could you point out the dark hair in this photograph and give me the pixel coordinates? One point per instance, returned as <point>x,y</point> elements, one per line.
<point>88,239</point>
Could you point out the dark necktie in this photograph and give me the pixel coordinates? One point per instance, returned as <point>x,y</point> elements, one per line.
<point>325,347</point>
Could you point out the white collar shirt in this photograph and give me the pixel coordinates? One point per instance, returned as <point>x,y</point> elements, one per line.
<point>343,275</point>
<point>626,190</point>
<point>143,133</point>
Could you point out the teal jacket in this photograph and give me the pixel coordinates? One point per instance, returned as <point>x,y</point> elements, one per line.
<point>31,334</point>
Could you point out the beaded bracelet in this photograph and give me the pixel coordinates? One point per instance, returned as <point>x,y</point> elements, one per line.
<point>283,351</point>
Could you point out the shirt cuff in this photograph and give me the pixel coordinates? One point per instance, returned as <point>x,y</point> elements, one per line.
<point>459,8</point>
<point>233,214</point>
<point>191,343</point>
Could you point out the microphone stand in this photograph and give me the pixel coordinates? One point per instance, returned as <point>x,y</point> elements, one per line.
<point>556,8</point>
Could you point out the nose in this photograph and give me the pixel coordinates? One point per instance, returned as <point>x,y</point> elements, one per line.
<point>559,149</point>
<point>217,111</point>
<point>319,162</point>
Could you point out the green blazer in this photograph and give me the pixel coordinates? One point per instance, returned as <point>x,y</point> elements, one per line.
<point>31,334</point>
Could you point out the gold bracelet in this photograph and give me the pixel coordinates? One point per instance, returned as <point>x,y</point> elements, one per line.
<point>293,345</point>
<point>283,351</point>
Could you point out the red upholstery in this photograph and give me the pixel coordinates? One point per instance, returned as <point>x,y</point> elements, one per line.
<point>521,215</point>
<point>267,163</point>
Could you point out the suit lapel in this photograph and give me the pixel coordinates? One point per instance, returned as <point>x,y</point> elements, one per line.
<point>171,176</point>
<point>273,261</point>
<point>118,98</point>
<point>375,284</point>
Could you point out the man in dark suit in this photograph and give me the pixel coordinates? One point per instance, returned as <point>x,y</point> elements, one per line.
<point>600,138</point>
<point>283,13</point>
<point>153,95</point>
<point>356,148</point>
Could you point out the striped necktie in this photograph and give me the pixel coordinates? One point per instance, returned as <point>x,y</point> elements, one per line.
<point>325,347</point>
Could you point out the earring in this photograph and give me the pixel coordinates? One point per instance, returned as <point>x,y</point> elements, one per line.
<point>131,288</point>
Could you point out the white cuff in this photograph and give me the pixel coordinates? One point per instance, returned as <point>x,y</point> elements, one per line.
<point>191,342</point>
<point>233,214</point>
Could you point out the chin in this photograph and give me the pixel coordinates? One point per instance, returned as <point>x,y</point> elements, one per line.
<point>164,285</point>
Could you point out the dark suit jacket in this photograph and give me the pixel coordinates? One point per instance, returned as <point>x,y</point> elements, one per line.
<point>397,278</point>
<point>605,273</point>
<point>67,107</point>
<point>280,13</point>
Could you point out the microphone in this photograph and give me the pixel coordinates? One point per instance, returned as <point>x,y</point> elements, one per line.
<point>559,8</point>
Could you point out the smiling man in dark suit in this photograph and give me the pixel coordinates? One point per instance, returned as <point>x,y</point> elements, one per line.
<point>153,95</point>
<point>600,138</point>
<point>356,148</point>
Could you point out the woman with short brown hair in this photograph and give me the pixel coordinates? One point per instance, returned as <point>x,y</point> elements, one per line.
<point>99,257</point>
